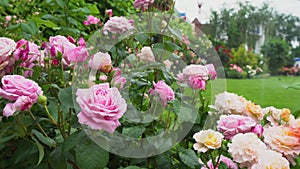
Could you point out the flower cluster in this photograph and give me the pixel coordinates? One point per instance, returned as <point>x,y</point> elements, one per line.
<point>257,137</point>
<point>236,67</point>
<point>196,76</point>
<point>142,4</point>
<point>117,25</point>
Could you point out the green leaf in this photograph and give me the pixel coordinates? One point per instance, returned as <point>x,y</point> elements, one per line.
<point>33,27</point>
<point>26,28</point>
<point>134,132</point>
<point>57,158</point>
<point>222,165</point>
<point>41,152</point>
<point>46,140</point>
<point>189,158</point>
<point>73,140</point>
<point>61,3</point>
<point>65,97</point>
<point>4,2</point>
<point>46,23</point>
<point>142,38</point>
<point>13,27</point>
<point>90,156</point>
<point>72,20</point>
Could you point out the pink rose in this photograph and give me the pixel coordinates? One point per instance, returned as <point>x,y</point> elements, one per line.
<point>258,129</point>
<point>109,12</point>
<point>196,82</point>
<point>81,42</point>
<point>116,71</point>
<point>211,70</point>
<point>28,53</point>
<point>71,39</point>
<point>231,125</point>
<point>23,91</point>
<point>7,46</point>
<point>8,18</point>
<point>91,20</point>
<point>117,25</point>
<point>146,54</point>
<point>101,107</point>
<point>101,61</point>
<point>193,70</point>
<point>164,91</point>
<point>142,4</point>
<point>230,164</point>
<point>62,45</point>
<point>118,82</point>
<point>78,54</point>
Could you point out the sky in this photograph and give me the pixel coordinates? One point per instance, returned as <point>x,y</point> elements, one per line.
<point>190,7</point>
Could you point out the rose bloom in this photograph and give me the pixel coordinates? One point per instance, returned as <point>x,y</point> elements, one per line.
<point>164,91</point>
<point>62,45</point>
<point>245,148</point>
<point>91,20</point>
<point>7,46</point>
<point>254,111</point>
<point>146,54</point>
<point>258,130</point>
<point>78,54</point>
<point>23,91</point>
<point>101,61</point>
<point>271,160</point>
<point>196,82</point>
<point>101,107</point>
<point>229,163</point>
<point>28,52</point>
<point>230,103</point>
<point>282,140</point>
<point>211,70</point>
<point>278,117</point>
<point>118,82</point>
<point>142,4</point>
<point>194,70</point>
<point>207,139</point>
<point>231,125</point>
<point>109,12</point>
<point>117,25</point>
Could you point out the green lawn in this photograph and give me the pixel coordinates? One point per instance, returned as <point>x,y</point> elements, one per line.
<point>270,91</point>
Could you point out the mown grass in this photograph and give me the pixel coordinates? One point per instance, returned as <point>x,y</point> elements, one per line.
<point>270,91</point>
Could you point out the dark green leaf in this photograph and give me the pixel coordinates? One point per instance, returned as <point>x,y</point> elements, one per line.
<point>46,140</point>
<point>142,38</point>
<point>33,27</point>
<point>46,23</point>
<point>134,132</point>
<point>65,97</point>
<point>26,28</point>
<point>222,165</point>
<point>4,2</point>
<point>41,152</point>
<point>57,158</point>
<point>189,158</point>
<point>13,27</point>
<point>61,3</point>
<point>73,140</point>
<point>133,167</point>
<point>90,156</point>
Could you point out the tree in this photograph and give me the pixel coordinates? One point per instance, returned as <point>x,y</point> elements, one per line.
<point>276,53</point>
<point>242,57</point>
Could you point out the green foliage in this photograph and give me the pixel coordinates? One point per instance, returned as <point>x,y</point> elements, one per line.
<point>242,57</point>
<point>276,52</point>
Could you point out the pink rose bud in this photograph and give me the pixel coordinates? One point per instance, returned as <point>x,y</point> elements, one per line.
<point>72,40</point>
<point>258,129</point>
<point>81,42</point>
<point>197,82</point>
<point>86,23</point>
<point>118,82</point>
<point>211,70</point>
<point>53,51</point>
<point>116,72</point>
<point>8,18</point>
<point>101,61</point>
<point>103,78</point>
<point>164,91</point>
<point>55,62</point>
<point>109,12</point>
